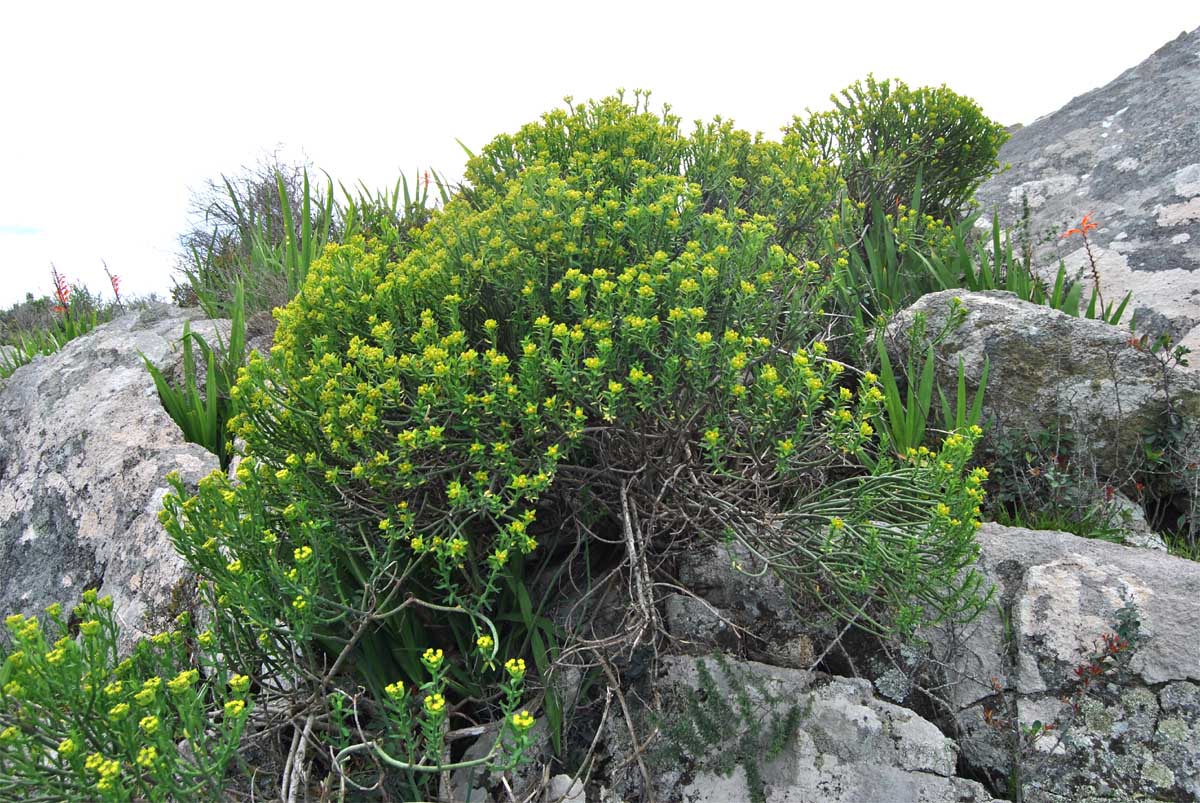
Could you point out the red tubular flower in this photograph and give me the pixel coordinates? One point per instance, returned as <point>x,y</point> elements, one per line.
<point>114,280</point>
<point>1085,226</point>
<point>61,289</point>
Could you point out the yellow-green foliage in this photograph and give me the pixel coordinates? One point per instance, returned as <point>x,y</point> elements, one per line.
<point>609,304</point>
<point>77,722</point>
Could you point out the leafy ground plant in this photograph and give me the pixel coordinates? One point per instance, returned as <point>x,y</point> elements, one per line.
<point>907,416</point>
<point>203,412</point>
<point>77,722</point>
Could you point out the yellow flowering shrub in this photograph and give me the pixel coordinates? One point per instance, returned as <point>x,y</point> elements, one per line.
<point>78,722</point>
<point>614,326</point>
<point>607,295</point>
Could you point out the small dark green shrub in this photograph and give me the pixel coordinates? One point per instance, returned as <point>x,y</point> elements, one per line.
<point>1041,481</point>
<point>887,140</point>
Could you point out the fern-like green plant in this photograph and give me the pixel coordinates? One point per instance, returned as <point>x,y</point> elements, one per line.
<point>724,726</point>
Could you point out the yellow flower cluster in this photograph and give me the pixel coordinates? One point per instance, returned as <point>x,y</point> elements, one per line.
<point>108,769</point>
<point>432,658</point>
<point>147,756</point>
<point>183,681</point>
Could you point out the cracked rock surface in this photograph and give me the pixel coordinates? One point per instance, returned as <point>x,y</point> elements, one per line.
<point>1129,153</point>
<point>85,445</point>
<point>1137,734</point>
<point>847,745</point>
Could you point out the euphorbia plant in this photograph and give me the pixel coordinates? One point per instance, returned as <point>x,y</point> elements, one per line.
<point>616,332</point>
<point>595,320</point>
<point>78,722</point>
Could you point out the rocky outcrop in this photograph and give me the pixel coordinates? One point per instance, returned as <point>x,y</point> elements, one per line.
<point>84,447</point>
<point>1135,530</point>
<point>1136,734</point>
<point>1053,372</point>
<point>843,746</point>
<point>729,601</point>
<point>1129,153</point>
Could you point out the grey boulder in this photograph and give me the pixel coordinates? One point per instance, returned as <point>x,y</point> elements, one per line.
<point>85,445</point>
<point>1129,153</point>
<point>1057,596</point>
<point>1051,371</point>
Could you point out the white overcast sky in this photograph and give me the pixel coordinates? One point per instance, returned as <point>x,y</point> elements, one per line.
<point>114,112</point>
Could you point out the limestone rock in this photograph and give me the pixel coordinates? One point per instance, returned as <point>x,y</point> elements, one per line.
<point>84,448</point>
<point>1135,529</point>
<point>1129,153</point>
<point>565,789</point>
<point>1057,596</point>
<point>740,605</point>
<point>848,746</point>
<point>1051,371</point>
